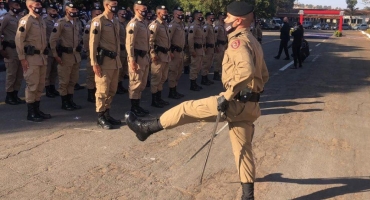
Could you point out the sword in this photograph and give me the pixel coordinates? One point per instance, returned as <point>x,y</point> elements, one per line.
<point>210,145</point>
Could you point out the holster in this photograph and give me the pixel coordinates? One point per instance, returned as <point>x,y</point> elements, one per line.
<point>210,46</point>
<point>176,48</point>
<point>29,50</point>
<point>160,49</point>
<point>100,56</point>
<point>247,95</point>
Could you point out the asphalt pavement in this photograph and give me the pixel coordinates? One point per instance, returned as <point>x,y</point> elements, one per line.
<point>311,141</point>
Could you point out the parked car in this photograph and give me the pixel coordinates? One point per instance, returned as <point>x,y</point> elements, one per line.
<point>307,25</point>
<point>325,26</point>
<point>344,27</point>
<point>361,27</point>
<point>317,26</point>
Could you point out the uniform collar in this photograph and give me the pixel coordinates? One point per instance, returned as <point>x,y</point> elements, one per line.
<point>237,32</point>
<point>50,18</point>
<point>68,19</point>
<point>160,21</point>
<point>34,16</point>
<point>11,12</point>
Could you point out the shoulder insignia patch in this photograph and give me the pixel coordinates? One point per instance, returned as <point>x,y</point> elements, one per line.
<point>151,26</point>
<point>95,31</point>
<point>132,24</point>
<point>21,29</point>
<point>131,32</point>
<point>96,23</point>
<point>235,44</point>
<point>56,24</point>
<point>23,22</point>
<point>86,31</point>
<point>54,30</point>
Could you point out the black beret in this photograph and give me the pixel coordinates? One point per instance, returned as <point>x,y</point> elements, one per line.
<point>161,7</point>
<point>178,8</point>
<point>239,8</point>
<point>35,1</point>
<point>139,3</point>
<point>96,8</point>
<point>209,13</point>
<point>221,14</point>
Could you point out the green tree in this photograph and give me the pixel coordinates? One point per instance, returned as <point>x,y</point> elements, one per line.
<point>351,6</point>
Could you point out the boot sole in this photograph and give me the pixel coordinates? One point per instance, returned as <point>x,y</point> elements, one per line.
<point>104,127</point>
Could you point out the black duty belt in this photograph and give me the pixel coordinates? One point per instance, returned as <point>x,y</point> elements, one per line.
<point>176,48</point>
<point>140,53</point>
<point>110,54</point>
<point>252,97</point>
<point>160,49</point>
<point>198,46</point>
<point>10,44</point>
<point>221,42</point>
<point>30,50</point>
<point>123,48</point>
<point>210,45</point>
<point>69,50</point>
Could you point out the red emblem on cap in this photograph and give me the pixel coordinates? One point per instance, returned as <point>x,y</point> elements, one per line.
<point>235,44</point>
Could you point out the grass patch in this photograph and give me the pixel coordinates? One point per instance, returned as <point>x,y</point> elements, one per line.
<point>338,34</point>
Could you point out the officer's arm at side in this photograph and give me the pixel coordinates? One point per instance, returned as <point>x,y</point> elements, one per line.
<point>23,27</point>
<point>3,24</point>
<point>243,70</point>
<point>131,31</point>
<point>54,37</point>
<point>152,37</point>
<point>95,33</point>
<point>191,39</point>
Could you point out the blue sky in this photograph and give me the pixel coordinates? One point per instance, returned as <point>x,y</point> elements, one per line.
<point>332,3</point>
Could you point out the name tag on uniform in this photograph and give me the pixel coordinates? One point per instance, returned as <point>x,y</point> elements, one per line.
<point>66,25</point>
<point>35,23</point>
<point>109,25</point>
<point>13,22</point>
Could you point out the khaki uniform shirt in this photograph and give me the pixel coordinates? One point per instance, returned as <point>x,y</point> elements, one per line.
<point>209,35</point>
<point>196,35</point>
<point>122,38</point>
<point>177,33</point>
<point>104,33</point>
<point>243,65</point>
<point>8,28</point>
<point>49,28</point>
<point>31,31</point>
<point>86,36</point>
<point>137,37</point>
<point>220,33</point>
<point>160,36</point>
<point>67,34</point>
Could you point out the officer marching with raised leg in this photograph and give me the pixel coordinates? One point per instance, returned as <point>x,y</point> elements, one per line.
<point>32,51</point>
<point>65,45</point>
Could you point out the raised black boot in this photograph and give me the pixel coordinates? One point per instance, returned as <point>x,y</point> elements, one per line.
<point>73,104</point>
<point>173,94</point>
<point>155,102</point>
<point>10,99</point>
<point>178,94</point>
<point>194,86</point>
<point>42,114</point>
<point>186,70</point>
<point>136,109</point>
<point>102,122</point>
<point>205,81</point>
<point>248,191</point>
<point>54,91</point>
<point>160,100</point>
<point>91,95</point>
<point>142,128</point>
<point>65,103</point>
<point>111,119</point>
<point>216,76</point>
<point>32,115</point>
<point>48,92</point>
<point>19,100</point>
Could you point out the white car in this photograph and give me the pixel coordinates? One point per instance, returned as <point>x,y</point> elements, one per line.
<point>317,26</point>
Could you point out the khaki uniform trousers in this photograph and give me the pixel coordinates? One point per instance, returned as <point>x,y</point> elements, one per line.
<point>106,88</point>
<point>187,56</point>
<point>14,71</point>
<point>35,82</point>
<point>207,63</point>
<point>51,71</point>
<point>175,69</point>
<point>124,69</point>
<point>90,75</point>
<point>68,77</point>
<point>138,78</point>
<point>195,66</point>
<point>217,65</point>
<point>159,74</point>
<point>240,117</point>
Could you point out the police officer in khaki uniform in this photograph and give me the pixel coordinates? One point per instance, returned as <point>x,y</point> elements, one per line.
<point>137,46</point>
<point>104,54</point>
<point>52,69</point>
<point>14,73</point>
<point>123,72</point>
<point>196,42</point>
<point>177,37</point>
<point>65,46</point>
<point>244,76</point>
<point>90,75</point>
<point>32,51</point>
<point>210,48</point>
<point>221,42</point>
<point>159,42</point>
<point>187,61</point>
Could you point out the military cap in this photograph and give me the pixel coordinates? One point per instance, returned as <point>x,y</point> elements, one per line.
<point>221,14</point>
<point>71,5</point>
<point>161,7</point>
<point>239,8</point>
<point>53,6</point>
<point>96,8</point>
<point>209,13</point>
<point>178,8</point>
<point>139,3</point>
<point>122,8</point>
<point>196,12</point>
<point>13,1</point>
<point>35,1</point>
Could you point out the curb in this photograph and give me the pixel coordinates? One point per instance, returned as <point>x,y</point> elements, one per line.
<point>363,32</point>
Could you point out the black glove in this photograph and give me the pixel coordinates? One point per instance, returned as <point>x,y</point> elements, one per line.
<point>222,104</point>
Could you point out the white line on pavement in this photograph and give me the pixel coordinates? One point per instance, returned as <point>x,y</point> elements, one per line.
<point>318,44</point>
<point>286,66</point>
<point>310,49</point>
<point>323,40</point>
<point>314,59</point>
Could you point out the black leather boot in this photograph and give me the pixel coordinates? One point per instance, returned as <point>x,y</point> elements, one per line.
<point>205,81</point>
<point>209,81</point>
<point>19,100</point>
<point>65,103</point>
<point>155,102</point>
<point>78,87</point>
<point>48,92</point>
<point>173,94</point>
<point>194,86</point>
<point>54,91</point>
<point>111,119</point>
<point>136,109</point>
<point>141,108</point>
<point>178,94</point>
<point>248,191</point>
<point>91,95</point>
<point>73,104</point>
<point>121,89</point>
<point>186,70</point>
<point>103,122</point>
<point>10,99</point>
<point>142,128</point>
<point>216,76</point>
<point>42,114</point>
<point>160,100</point>
<point>32,115</point>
